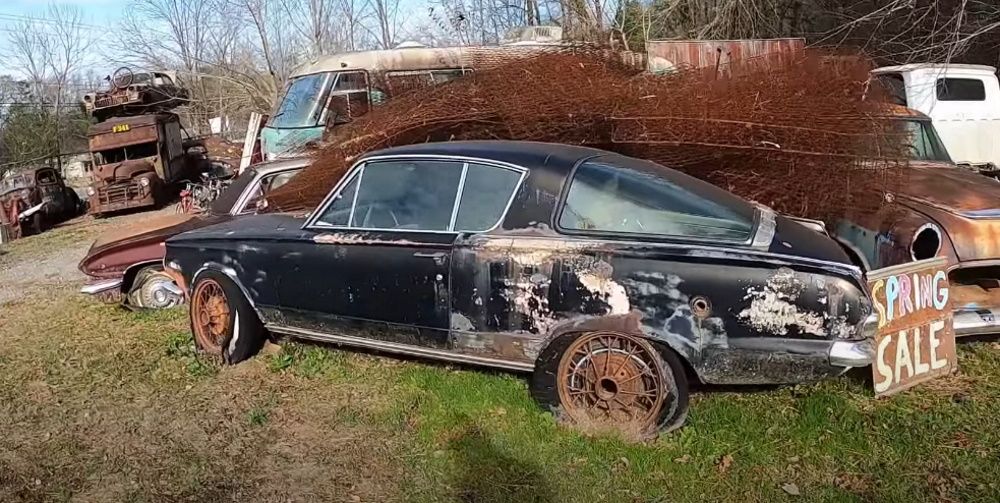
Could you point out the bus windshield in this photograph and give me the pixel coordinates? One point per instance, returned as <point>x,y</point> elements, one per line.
<point>303,103</point>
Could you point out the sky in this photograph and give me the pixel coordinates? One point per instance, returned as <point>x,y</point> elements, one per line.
<point>99,13</point>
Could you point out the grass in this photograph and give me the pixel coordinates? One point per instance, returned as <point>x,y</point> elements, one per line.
<point>103,404</point>
<point>91,393</point>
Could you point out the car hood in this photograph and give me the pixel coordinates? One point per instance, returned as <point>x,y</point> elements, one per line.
<point>117,250</point>
<point>953,189</point>
<point>266,226</point>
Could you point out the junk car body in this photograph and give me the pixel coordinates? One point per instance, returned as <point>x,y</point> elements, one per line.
<point>605,275</point>
<point>136,94</point>
<point>35,198</point>
<point>127,264</point>
<point>941,210</point>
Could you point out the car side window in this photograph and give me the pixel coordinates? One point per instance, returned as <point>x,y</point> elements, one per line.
<point>949,89</point>
<point>338,212</point>
<point>485,194</point>
<point>608,198</point>
<point>407,195</point>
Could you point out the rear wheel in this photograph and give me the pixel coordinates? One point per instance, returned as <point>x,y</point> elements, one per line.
<point>613,380</point>
<point>223,321</point>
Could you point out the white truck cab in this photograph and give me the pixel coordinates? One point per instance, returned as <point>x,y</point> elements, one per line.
<point>962,100</point>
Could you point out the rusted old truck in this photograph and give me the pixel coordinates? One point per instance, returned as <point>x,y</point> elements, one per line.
<point>138,162</point>
<point>33,199</point>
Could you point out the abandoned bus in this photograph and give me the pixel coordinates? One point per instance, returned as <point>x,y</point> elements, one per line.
<point>334,89</point>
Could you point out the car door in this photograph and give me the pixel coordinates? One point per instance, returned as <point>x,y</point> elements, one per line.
<point>375,260</point>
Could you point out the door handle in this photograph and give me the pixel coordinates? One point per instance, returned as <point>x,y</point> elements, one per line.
<point>433,255</point>
<point>437,257</point>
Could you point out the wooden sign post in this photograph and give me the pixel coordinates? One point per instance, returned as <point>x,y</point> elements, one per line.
<point>915,340</point>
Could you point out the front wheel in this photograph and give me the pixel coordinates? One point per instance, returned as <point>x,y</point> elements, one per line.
<point>153,289</point>
<point>37,224</point>
<point>612,380</point>
<point>223,321</point>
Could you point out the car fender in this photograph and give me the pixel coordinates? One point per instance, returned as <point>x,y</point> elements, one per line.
<point>625,323</point>
<point>128,277</point>
<point>230,273</point>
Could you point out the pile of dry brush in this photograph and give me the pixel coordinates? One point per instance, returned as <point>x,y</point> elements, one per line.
<point>795,135</point>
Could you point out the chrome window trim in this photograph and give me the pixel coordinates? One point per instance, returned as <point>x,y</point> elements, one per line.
<point>354,198</point>
<point>458,196</point>
<point>312,223</point>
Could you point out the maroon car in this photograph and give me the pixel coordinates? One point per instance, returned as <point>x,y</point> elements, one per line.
<point>127,264</point>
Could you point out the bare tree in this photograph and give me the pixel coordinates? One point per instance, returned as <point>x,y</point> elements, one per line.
<point>27,52</point>
<point>49,50</point>
<point>385,17</point>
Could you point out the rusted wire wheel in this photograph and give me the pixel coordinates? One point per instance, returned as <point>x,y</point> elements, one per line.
<point>613,377</point>
<point>210,316</point>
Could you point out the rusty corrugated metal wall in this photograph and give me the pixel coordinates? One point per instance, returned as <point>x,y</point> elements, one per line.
<point>667,54</point>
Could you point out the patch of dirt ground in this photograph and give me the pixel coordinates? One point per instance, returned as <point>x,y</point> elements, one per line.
<point>51,258</point>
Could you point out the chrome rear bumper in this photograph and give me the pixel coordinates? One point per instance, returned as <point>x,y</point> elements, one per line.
<point>852,353</point>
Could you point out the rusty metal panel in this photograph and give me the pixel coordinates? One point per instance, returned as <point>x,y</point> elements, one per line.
<point>709,53</point>
<point>124,136</point>
<point>915,341</point>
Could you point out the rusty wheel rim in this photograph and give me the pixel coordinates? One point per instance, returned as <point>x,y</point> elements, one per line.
<point>210,315</point>
<point>611,377</point>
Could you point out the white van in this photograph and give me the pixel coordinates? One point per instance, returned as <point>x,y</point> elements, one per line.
<point>962,100</point>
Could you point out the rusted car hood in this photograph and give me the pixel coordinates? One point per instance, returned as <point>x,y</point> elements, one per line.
<point>965,204</point>
<point>951,188</point>
<point>115,251</point>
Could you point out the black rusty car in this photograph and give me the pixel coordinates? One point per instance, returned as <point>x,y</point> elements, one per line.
<point>611,278</point>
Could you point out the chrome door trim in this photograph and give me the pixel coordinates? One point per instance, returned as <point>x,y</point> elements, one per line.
<point>403,349</point>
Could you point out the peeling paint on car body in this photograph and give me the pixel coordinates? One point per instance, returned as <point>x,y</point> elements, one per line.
<point>500,297</point>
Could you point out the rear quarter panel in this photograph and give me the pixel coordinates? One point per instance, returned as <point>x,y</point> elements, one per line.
<point>734,316</point>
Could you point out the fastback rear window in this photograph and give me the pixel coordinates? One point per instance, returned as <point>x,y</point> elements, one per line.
<point>620,195</point>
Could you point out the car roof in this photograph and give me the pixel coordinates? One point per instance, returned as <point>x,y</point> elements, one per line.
<point>524,153</point>
<point>934,67</point>
<point>895,111</point>
<point>268,167</point>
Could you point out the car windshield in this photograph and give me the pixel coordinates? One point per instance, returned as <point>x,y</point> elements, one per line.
<point>924,143</point>
<point>229,197</point>
<point>129,152</point>
<point>303,103</point>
